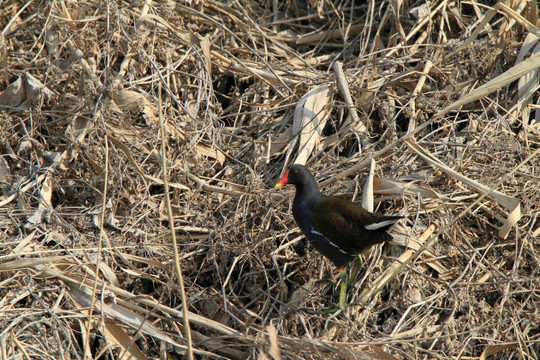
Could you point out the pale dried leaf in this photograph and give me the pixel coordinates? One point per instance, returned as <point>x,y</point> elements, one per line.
<point>115,335</point>
<point>30,263</point>
<point>83,298</point>
<point>500,81</point>
<point>133,101</point>
<point>38,217</point>
<point>491,350</point>
<point>13,95</point>
<point>310,116</point>
<point>108,274</point>
<point>381,354</point>
<point>20,248</point>
<point>273,348</point>
<point>515,16</point>
<point>205,47</point>
<point>46,191</point>
<point>367,197</point>
<point>34,87</point>
<point>3,51</point>
<point>211,153</point>
<point>528,83</point>
<point>395,187</point>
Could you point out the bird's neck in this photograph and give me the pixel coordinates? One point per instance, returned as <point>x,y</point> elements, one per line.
<point>307,193</point>
<point>307,196</point>
<point>307,189</point>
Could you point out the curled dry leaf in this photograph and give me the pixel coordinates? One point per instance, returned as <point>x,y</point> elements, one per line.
<point>310,117</point>
<point>395,187</point>
<point>23,89</point>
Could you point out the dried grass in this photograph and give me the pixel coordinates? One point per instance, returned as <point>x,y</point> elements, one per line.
<point>443,96</point>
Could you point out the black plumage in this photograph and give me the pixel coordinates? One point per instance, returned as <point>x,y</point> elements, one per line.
<point>337,228</point>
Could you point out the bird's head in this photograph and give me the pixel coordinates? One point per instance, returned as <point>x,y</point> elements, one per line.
<point>295,174</point>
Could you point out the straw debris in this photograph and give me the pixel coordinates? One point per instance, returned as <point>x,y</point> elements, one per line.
<point>443,96</point>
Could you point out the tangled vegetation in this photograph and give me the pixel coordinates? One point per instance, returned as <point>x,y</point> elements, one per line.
<point>109,109</point>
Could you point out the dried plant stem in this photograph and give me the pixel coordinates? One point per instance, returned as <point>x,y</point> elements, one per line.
<point>177,268</point>
<point>346,93</point>
<point>86,353</point>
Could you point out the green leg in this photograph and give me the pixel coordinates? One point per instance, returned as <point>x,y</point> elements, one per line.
<point>345,279</point>
<point>343,290</point>
<point>357,266</point>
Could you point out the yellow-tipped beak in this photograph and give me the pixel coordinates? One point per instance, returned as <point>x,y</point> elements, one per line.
<point>283,180</point>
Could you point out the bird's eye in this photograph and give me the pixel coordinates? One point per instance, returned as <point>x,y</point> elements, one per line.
<point>295,172</point>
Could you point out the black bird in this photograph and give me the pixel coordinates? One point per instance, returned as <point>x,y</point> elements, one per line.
<point>337,228</point>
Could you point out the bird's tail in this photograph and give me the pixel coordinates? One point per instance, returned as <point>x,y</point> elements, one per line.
<point>385,223</point>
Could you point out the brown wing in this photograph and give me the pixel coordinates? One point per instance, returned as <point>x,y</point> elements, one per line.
<point>344,224</point>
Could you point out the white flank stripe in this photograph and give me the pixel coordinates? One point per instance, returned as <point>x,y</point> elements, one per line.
<point>318,233</point>
<point>381,224</point>
<point>331,243</point>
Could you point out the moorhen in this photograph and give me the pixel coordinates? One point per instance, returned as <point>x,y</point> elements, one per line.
<point>337,228</point>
